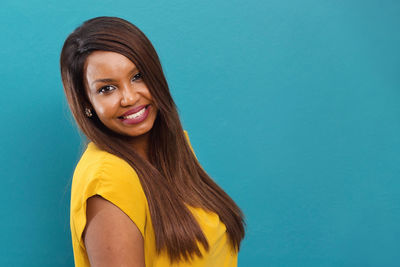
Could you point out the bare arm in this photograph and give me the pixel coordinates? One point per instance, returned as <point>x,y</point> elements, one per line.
<point>110,236</point>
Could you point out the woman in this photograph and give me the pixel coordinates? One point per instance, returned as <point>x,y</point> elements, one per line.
<point>139,196</point>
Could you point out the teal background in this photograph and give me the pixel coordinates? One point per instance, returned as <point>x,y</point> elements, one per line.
<point>292,107</point>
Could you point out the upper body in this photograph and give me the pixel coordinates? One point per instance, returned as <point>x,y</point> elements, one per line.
<point>103,174</point>
<point>139,195</point>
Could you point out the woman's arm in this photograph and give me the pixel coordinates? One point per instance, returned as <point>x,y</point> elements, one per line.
<point>110,236</point>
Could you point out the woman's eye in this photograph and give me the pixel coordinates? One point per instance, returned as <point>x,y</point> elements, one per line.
<point>106,89</point>
<point>137,76</point>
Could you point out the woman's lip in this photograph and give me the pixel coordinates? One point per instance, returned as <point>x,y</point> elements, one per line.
<point>137,119</point>
<point>134,110</point>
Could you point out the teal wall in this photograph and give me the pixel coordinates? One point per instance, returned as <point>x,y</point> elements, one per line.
<point>292,107</point>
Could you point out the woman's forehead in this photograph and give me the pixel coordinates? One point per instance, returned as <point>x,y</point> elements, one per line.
<point>101,64</point>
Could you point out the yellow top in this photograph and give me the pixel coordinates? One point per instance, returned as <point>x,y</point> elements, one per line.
<point>101,173</point>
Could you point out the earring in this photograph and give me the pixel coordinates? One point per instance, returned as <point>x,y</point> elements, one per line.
<point>88,112</point>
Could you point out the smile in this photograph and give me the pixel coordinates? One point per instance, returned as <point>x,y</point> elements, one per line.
<point>136,117</point>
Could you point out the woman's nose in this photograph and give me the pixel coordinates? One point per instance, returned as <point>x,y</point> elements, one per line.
<point>129,96</point>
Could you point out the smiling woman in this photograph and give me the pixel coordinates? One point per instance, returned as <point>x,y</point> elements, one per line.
<point>119,96</point>
<point>139,196</point>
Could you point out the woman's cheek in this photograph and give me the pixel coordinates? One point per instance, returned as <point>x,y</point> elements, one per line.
<point>107,105</point>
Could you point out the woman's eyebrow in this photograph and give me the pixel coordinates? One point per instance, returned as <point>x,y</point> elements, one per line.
<point>106,80</point>
<point>109,80</point>
<point>133,71</point>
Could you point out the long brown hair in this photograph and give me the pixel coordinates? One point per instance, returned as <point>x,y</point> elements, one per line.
<point>172,178</point>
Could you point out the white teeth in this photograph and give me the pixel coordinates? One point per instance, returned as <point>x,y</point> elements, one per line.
<point>135,115</point>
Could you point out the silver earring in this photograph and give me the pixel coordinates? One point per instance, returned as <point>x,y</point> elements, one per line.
<point>88,112</point>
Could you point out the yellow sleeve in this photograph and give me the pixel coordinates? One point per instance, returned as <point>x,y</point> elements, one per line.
<point>113,179</point>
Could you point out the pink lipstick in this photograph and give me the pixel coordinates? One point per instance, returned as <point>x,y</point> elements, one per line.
<point>136,115</point>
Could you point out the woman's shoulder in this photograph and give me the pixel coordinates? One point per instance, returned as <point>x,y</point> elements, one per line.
<point>94,156</point>
<point>104,174</point>
<point>98,168</point>
<point>96,159</point>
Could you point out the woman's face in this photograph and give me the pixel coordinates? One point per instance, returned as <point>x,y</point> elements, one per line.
<point>118,94</point>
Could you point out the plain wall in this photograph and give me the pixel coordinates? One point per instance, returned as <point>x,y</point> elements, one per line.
<point>291,106</point>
